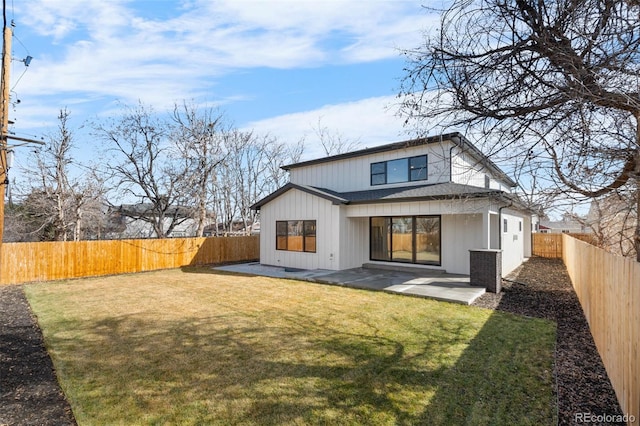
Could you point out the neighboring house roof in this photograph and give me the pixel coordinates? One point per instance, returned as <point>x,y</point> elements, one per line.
<point>146,209</point>
<point>439,191</point>
<point>548,224</point>
<point>456,137</point>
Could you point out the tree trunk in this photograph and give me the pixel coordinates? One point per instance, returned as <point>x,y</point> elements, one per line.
<point>77,232</point>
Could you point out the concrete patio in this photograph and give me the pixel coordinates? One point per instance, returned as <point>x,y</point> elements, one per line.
<point>399,279</point>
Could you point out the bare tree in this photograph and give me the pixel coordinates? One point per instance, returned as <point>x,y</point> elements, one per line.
<point>251,170</point>
<point>145,168</point>
<point>278,154</point>
<point>332,141</point>
<point>612,223</point>
<point>58,204</point>
<point>247,165</point>
<point>554,83</point>
<point>199,137</point>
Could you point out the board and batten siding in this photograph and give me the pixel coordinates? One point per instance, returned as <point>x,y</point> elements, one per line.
<point>466,170</point>
<point>354,174</point>
<point>354,241</point>
<point>298,205</point>
<point>436,207</point>
<point>461,225</point>
<point>460,233</point>
<point>512,240</point>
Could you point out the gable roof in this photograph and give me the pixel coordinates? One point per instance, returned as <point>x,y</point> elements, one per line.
<point>438,191</point>
<point>455,137</point>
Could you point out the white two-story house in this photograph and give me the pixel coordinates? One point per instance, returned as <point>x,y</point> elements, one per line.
<point>424,202</point>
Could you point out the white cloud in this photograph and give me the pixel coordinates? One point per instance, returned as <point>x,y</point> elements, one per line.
<point>107,51</point>
<point>370,121</point>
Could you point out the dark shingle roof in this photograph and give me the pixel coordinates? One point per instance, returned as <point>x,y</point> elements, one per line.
<point>322,193</point>
<point>439,191</point>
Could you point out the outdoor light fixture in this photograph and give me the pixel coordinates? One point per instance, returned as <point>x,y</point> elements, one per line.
<point>27,60</point>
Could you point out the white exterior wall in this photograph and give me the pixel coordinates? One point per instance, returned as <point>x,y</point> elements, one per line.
<point>342,232</point>
<point>354,174</point>
<point>298,205</point>
<point>460,233</point>
<point>528,229</point>
<point>354,241</point>
<point>461,226</point>
<point>512,241</point>
<point>467,170</point>
<point>438,207</point>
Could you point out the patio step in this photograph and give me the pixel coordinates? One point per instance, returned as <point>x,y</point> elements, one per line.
<point>403,268</point>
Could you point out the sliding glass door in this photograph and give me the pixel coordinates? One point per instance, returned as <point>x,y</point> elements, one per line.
<point>402,239</point>
<point>408,239</point>
<point>381,238</point>
<point>428,240</point>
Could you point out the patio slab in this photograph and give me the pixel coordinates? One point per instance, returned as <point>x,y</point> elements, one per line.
<point>408,281</point>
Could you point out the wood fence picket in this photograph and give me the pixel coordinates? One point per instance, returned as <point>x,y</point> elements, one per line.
<point>43,261</point>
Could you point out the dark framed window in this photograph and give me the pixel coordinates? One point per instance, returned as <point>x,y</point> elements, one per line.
<point>418,168</point>
<point>296,235</point>
<point>408,239</point>
<point>504,225</point>
<point>310,236</point>
<point>410,169</point>
<point>378,173</point>
<point>398,170</point>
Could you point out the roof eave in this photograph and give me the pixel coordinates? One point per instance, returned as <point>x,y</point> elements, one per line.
<point>309,190</point>
<point>431,198</point>
<point>377,149</point>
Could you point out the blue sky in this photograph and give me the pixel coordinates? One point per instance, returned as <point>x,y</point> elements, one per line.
<point>271,66</point>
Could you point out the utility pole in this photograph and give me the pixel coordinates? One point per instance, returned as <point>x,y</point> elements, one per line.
<point>4,118</point>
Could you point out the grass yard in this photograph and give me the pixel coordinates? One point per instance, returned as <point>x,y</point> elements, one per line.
<point>196,347</point>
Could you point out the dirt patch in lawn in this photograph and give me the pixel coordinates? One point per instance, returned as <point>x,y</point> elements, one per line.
<point>542,288</point>
<point>30,394</point>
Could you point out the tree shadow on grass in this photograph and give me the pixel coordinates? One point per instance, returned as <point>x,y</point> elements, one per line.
<point>265,369</point>
<point>503,377</point>
<point>209,270</point>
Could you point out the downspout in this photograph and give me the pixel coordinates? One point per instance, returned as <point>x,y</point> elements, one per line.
<point>500,223</point>
<point>456,142</point>
<point>451,163</point>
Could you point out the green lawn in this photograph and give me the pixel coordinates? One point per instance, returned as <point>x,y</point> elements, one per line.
<point>195,347</point>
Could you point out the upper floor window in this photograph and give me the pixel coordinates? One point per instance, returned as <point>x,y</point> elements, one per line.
<point>408,169</point>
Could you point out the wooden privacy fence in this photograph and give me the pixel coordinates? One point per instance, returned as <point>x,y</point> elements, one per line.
<point>608,287</point>
<point>547,245</point>
<point>550,245</point>
<point>25,262</point>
